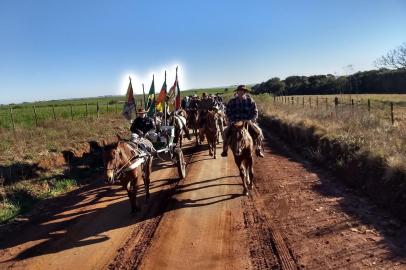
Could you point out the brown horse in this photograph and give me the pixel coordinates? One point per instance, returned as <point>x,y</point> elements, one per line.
<point>123,162</point>
<point>193,123</point>
<point>211,131</point>
<point>242,146</point>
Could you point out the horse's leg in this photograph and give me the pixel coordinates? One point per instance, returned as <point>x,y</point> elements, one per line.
<point>147,176</point>
<point>250,169</point>
<point>132,190</point>
<point>214,145</point>
<point>210,145</point>
<point>240,165</point>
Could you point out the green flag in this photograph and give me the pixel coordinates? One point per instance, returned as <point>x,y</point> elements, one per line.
<point>150,106</point>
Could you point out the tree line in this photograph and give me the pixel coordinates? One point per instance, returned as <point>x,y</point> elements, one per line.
<point>383,81</point>
<point>389,78</point>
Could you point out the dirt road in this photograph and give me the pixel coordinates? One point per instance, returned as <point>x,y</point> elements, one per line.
<point>297,217</point>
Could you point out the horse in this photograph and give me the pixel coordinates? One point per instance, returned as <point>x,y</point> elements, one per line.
<point>178,120</point>
<point>121,161</point>
<point>242,146</point>
<point>193,123</point>
<point>220,109</point>
<point>211,131</point>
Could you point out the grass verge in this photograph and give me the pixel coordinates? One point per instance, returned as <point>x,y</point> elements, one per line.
<point>21,197</point>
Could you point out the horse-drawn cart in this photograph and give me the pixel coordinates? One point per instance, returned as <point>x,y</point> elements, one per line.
<point>163,142</point>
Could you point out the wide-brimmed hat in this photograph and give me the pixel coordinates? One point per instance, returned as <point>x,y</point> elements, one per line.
<point>141,111</point>
<point>243,88</point>
<point>204,94</point>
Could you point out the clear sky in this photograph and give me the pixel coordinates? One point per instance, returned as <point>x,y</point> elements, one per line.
<point>52,49</point>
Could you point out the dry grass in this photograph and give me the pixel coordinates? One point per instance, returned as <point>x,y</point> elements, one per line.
<point>29,145</point>
<point>372,131</point>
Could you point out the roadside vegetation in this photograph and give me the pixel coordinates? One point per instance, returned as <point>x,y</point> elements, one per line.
<point>34,162</point>
<point>370,130</point>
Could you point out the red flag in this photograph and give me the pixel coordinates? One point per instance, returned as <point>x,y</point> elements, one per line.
<point>160,101</point>
<point>129,105</point>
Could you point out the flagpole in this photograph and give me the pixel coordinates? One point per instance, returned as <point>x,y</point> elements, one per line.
<point>143,93</point>
<point>165,102</point>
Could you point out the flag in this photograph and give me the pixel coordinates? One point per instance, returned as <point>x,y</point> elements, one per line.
<point>150,106</point>
<point>177,99</point>
<point>129,105</point>
<point>161,100</point>
<point>171,96</point>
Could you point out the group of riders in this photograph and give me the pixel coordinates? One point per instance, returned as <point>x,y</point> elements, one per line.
<point>241,107</point>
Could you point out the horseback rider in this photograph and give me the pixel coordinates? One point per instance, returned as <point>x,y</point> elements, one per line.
<point>142,124</point>
<point>243,108</point>
<point>206,104</point>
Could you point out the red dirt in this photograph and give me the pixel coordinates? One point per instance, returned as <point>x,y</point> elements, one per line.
<point>297,217</point>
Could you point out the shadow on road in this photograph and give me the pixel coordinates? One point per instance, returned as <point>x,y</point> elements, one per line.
<point>83,216</point>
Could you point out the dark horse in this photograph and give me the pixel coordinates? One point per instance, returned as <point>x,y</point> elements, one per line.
<point>211,131</point>
<point>242,146</point>
<point>125,162</point>
<point>193,123</point>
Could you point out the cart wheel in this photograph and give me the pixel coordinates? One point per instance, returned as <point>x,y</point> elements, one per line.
<point>180,163</point>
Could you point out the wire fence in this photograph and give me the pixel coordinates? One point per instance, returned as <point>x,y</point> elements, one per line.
<point>346,107</point>
<point>35,116</point>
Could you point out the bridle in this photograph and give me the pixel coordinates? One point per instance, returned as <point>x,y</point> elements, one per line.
<point>128,165</point>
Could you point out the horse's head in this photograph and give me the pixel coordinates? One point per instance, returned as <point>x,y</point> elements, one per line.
<point>240,138</point>
<point>211,119</point>
<point>113,160</point>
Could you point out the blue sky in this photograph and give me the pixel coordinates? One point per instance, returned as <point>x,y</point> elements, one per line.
<point>52,49</point>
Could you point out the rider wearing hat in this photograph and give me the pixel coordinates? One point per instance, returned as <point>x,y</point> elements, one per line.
<point>243,108</point>
<point>206,104</point>
<point>142,123</point>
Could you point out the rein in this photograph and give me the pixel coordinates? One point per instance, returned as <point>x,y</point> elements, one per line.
<point>128,166</point>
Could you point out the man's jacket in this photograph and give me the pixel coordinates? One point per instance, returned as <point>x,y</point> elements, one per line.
<point>142,125</point>
<point>239,109</point>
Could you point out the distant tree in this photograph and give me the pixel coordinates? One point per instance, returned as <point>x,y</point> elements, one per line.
<point>394,59</point>
<point>275,86</point>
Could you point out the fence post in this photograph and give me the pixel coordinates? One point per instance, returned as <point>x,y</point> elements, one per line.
<point>97,108</point>
<point>302,101</point>
<point>35,115</point>
<point>317,102</point>
<point>391,113</point>
<point>369,106</point>
<point>71,112</point>
<point>310,102</point>
<point>12,118</point>
<point>336,104</point>
<point>293,101</point>
<point>326,103</point>
<point>53,112</point>
<point>87,110</point>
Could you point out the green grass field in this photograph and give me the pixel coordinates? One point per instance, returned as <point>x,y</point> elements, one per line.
<point>23,114</point>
